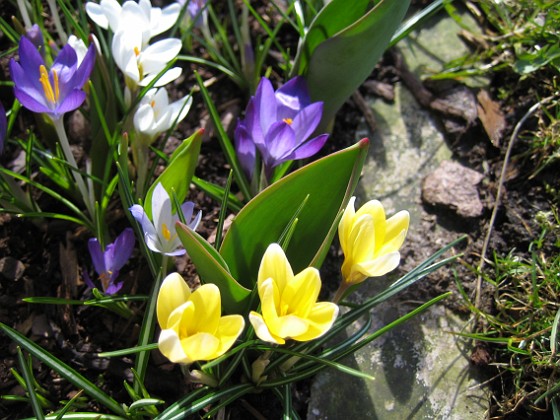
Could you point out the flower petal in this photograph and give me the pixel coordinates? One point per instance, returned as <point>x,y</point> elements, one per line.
<point>171,347</point>
<point>306,121</point>
<point>379,266</point>
<point>261,329</point>
<point>309,148</point>
<point>319,321</point>
<point>97,256</point>
<point>173,293</point>
<point>207,302</point>
<point>275,265</point>
<point>229,329</point>
<point>292,97</point>
<point>201,346</point>
<point>123,246</point>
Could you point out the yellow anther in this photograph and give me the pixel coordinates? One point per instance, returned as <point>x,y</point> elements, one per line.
<point>288,121</point>
<point>153,103</point>
<point>165,231</point>
<point>136,51</point>
<point>51,95</point>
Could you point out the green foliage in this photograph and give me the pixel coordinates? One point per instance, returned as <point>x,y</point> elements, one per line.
<point>342,46</point>
<point>523,328</point>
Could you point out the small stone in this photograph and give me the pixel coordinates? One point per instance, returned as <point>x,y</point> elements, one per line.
<point>453,186</point>
<point>11,269</point>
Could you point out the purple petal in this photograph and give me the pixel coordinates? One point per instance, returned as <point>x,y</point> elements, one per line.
<point>87,279</point>
<point>66,59</point>
<point>265,105</point>
<point>71,102</point>
<point>30,102</point>
<point>309,148</point>
<point>245,149</point>
<point>187,209</point>
<point>306,121</point>
<point>113,288</point>
<point>86,66</point>
<point>30,60</point>
<point>97,256</point>
<point>147,227</point>
<point>35,35</point>
<point>280,141</point>
<point>292,97</point>
<point>123,247</point>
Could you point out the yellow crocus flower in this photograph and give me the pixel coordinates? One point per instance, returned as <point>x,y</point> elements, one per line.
<point>289,303</point>
<point>192,327</point>
<point>369,241</point>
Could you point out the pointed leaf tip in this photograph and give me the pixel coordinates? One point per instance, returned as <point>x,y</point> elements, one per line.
<point>364,142</point>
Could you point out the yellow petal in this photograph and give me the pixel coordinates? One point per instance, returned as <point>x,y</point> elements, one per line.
<point>301,293</point>
<point>201,346</point>
<point>173,293</point>
<point>229,330</point>
<point>345,225</point>
<point>290,326</point>
<point>396,225</point>
<point>207,302</point>
<point>375,209</point>
<point>275,265</point>
<point>379,266</point>
<point>270,303</point>
<point>181,315</point>
<point>320,320</point>
<point>394,244</point>
<point>362,239</point>
<point>170,346</point>
<point>261,329</point>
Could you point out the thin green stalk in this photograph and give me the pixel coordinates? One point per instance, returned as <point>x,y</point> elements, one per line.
<point>148,327</point>
<point>65,145</point>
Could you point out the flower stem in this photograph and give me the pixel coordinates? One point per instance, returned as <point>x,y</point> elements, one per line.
<point>65,144</point>
<point>54,13</point>
<point>148,327</point>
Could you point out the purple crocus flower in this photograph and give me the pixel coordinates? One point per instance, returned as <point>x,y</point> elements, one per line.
<point>195,10</point>
<point>108,263</point>
<point>35,35</point>
<point>54,91</point>
<point>278,125</point>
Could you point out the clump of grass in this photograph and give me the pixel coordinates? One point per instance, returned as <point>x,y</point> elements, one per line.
<point>524,323</point>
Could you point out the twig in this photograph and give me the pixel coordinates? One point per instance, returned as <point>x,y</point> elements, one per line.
<point>501,181</point>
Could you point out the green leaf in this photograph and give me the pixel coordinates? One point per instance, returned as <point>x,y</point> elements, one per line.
<point>343,60</point>
<point>212,268</point>
<point>68,373</point>
<point>179,172</point>
<point>263,220</point>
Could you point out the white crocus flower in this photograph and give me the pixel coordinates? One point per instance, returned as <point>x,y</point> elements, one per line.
<point>156,115</point>
<point>141,65</point>
<point>161,236</point>
<point>109,14</point>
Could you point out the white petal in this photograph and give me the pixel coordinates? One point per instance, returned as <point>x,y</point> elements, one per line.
<point>261,329</point>
<point>166,19</point>
<point>156,56</point>
<point>165,78</point>
<point>144,119</point>
<point>170,346</point>
<point>95,13</point>
<point>112,11</point>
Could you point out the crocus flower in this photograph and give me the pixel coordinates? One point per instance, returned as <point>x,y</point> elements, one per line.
<point>108,263</point>
<point>3,126</point>
<point>369,241</point>
<point>140,64</point>
<point>278,125</point>
<point>53,91</point>
<point>109,14</point>
<point>195,10</point>
<point>155,114</point>
<point>192,327</point>
<point>35,35</point>
<point>289,303</point>
<point>160,235</point>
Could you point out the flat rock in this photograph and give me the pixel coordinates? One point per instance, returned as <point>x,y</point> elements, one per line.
<point>453,186</point>
<point>11,268</point>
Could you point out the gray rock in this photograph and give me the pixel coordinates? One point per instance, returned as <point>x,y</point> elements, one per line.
<point>11,269</point>
<point>453,186</point>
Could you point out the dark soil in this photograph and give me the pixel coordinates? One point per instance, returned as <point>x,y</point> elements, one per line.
<point>42,257</point>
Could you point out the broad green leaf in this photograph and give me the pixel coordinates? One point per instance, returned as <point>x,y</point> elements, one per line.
<point>332,18</point>
<point>339,64</point>
<point>179,172</point>
<point>328,182</point>
<point>68,373</point>
<point>212,268</point>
